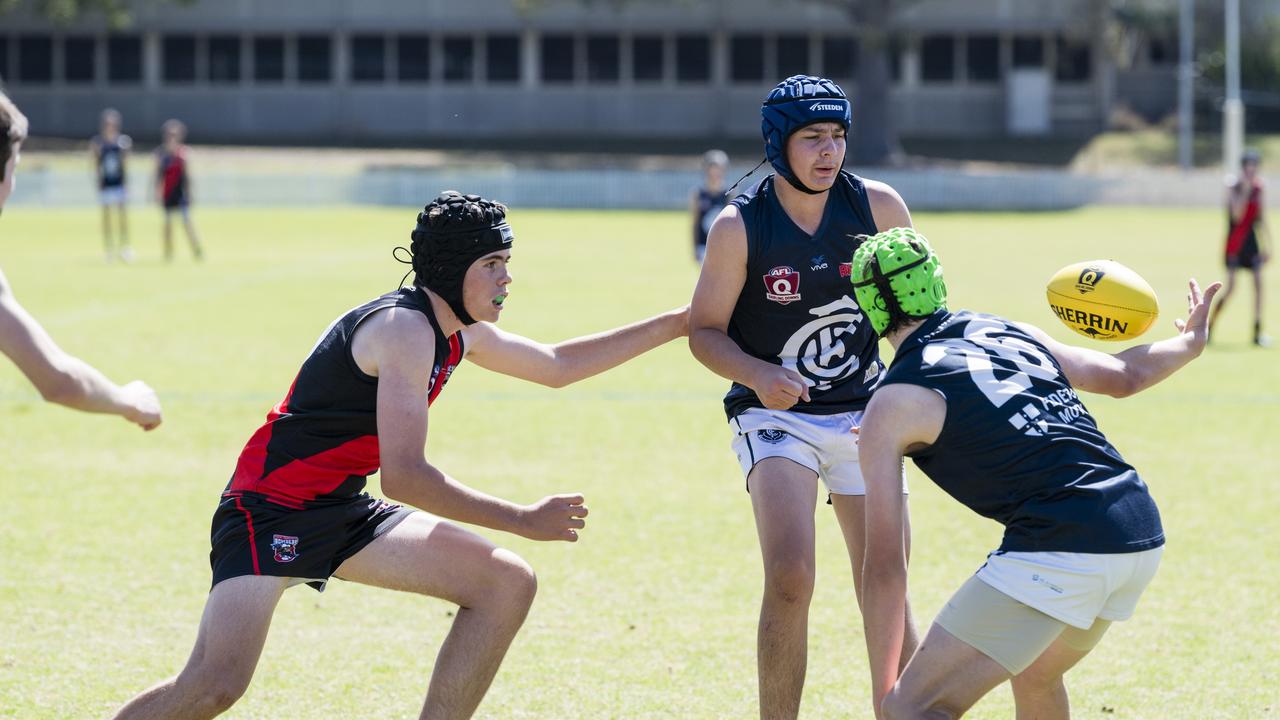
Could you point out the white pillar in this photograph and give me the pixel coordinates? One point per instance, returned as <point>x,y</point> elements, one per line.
<point>1232,107</point>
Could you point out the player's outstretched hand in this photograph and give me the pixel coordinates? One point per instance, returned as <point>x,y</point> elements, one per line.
<point>779,388</point>
<point>1197,323</point>
<point>555,517</point>
<point>144,405</point>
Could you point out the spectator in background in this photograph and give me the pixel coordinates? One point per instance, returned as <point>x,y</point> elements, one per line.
<point>110,151</point>
<point>173,186</point>
<point>1245,249</point>
<point>59,377</point>
<point>706,202</point>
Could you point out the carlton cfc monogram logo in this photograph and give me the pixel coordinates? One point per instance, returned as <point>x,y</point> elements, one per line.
<point>782,285</point>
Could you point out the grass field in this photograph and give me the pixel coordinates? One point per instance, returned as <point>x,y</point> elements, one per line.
<point>104,537</point>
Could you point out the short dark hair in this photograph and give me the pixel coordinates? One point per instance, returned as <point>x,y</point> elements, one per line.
<point>13,130</point>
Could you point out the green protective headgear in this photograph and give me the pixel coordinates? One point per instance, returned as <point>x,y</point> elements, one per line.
<point>896,273</point>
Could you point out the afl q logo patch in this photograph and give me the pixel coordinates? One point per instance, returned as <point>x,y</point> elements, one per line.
<point>825,350</point>
<point>285,547</point>
<point>771,436</point>
<point>782,285</point>
<point>1089,279</point>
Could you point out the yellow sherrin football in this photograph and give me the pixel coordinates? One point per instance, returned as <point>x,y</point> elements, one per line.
<point>1103,299</point>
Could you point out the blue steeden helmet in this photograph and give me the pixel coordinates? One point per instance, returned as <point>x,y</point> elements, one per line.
<point>798,101</point>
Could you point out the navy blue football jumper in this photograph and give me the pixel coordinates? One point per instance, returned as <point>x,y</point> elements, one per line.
<point>111,161</point>
<point>709,204</point>
<point>1018,445</point>
<point>797,307</point>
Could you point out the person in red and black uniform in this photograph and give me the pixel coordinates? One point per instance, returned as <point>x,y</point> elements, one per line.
<point>295,510</point>
<point>173,186</point>
<point>1245,235</point>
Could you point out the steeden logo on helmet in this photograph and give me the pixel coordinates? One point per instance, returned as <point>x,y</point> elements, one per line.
<point>819,107</point>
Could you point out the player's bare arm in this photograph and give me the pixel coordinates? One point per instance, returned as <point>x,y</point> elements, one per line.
<point>560,364</point>
<point>899,418</point>
<point>887,206</point>
<point>1137,368</point>
<point>397,347</point>
<point>724,273</point>
<point>64,379</point>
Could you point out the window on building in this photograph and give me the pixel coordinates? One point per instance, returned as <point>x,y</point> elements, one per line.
<point>124,58</point>
<point>413,58</point>
<point>693,58</point>
<point>793,56</point>
<point>315,58</point>
<point>557,58</point>
<point>77,58</point>
<point>1160,51</point>
<point>224,59</point>
<point>1074,62</point>
<point>268,59</point>
<point>4,58</point>
<point>368,58</point>
<point>937,58</point>
<point>1028,51</point>
<point>459,58</point>
<point>502,58</point>
<point>603,58</point>
<point>178,55</point>
<point>648,62</point>
<point>839,57</point>
<point>35,59</point>
<point>746,58</point>
<point>982,53</point>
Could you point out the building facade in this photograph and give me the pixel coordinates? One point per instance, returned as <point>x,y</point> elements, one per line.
<point>370,71</point>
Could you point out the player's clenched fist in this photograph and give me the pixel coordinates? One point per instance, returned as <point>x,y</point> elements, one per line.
<point>779,388</point>
<point>555,517</point>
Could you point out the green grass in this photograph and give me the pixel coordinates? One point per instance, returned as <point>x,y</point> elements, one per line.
<point>104,538</point>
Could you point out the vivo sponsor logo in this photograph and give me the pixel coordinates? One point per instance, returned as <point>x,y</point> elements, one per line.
<point>819,107</point>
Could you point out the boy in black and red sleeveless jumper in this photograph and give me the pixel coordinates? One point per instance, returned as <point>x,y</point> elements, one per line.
<point>295,510</point>
<point>173,186</point>
<point>1245,235</point>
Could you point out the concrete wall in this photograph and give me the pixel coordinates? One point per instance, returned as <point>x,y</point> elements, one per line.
<point>340,110</point>
<point>932,189</point>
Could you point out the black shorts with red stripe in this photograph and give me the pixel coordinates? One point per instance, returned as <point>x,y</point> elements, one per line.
<point>253,536</point>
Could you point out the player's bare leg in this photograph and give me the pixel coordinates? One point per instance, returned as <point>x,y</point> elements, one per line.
<point>1223,297</point>
<point>233,629</point>
<point>126,250</point>
<point>944,679</point>
<point>850,512</point>
<point>167,235</point>
<point>1259,339</point>
<point>1039,692</point>
<point>196,250</point>
<point>107,241</point>
<point>493,588</point>
<point>784,495</point>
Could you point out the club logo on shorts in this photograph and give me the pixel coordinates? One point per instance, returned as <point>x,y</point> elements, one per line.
<point>771,436</point>
<point>1089,279</point>
<point>782,285</point>
<point>846,269</point>
<point>285,547</point>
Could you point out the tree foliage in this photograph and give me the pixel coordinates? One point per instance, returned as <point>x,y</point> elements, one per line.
<point>117,13</point>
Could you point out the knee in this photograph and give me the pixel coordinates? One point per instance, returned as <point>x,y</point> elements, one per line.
<point>789,580</point>
<point>899,705</point>
<point>213,690</point>
<point>1030,683</point>
<point>512,582</point>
